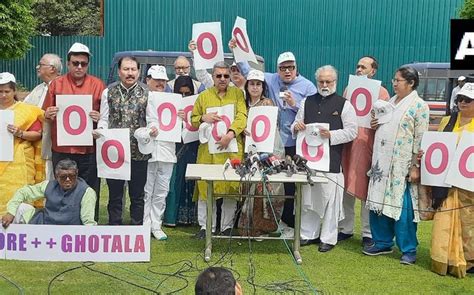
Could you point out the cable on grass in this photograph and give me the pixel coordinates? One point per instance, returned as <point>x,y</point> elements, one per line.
<point>18,287</point>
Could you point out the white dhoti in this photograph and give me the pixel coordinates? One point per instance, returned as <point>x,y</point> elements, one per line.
<point>322,209</point>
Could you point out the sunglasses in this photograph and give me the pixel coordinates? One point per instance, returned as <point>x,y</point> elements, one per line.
<point>285,68</point>
<point>466,99</point>
<point>82,63</point>
<point>219,76</point>
<point>64,177</point>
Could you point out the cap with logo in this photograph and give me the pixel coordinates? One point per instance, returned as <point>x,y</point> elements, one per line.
<point>157,72</point>
<point>461,78</point>
<point>6,77</point>
<point>286,56</point>
<point>256,75</point>
<point>313,135</point>
<point>467,90</point>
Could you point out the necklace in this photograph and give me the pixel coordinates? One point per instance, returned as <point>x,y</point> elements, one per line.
<point>252,105</point>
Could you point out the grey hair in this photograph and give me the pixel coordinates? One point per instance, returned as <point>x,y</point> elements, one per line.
<point>65,164</point>
<point>182,58</point>
<point>220,65</point>
<point>54,61</point>
<point>326,68</point>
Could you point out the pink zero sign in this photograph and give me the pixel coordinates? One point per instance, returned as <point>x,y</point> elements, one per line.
<point>226,121</point>
<point>266,128</point>
<point>187,125</point>
<point>368,101</point>
<point>242,45</point>
<point>463,162</point>
<point>82,120</point>
<point>307,156</point>
<point>120,151</point>
<point>200,48</point>
<point>444,158</point>
<point>174,115</point>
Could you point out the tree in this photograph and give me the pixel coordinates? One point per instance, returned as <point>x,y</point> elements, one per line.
<point>467,11</point>
<point>67,17</point>
<point>17,25</point>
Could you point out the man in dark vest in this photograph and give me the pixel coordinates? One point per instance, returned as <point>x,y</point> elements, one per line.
<point>69,200</point>
<point>322,208</point>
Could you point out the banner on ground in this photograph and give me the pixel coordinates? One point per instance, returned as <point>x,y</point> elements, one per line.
<point>74,125</point>
<point>75,243</point>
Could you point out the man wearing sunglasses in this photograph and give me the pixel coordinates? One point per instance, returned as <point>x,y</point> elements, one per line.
<point>69,200</point>
<point>76,82</point>
<point>220,95</point>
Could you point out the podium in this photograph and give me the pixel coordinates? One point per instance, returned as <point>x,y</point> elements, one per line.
<point>215,172</point>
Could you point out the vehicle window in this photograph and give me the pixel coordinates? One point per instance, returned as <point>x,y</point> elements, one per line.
<point>434,90</point>
<point>421,88</point>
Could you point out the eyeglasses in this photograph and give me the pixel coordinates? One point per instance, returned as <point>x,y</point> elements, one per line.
<point>82,63</point>
<point>285,68</point>
<point>397,80</point>
<point>465,99</point>
<point>322,82</point>
<point>64,177</point>
<point>42,65</point>
<point>219,76</point>
<point>181,68</point>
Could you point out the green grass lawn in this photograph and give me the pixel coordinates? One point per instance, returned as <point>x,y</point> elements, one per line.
<point>175,263</point>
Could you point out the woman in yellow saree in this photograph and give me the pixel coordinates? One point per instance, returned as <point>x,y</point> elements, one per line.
<point>452,242</point>
<point>27,166</point>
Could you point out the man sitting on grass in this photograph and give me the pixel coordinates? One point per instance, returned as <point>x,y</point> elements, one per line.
<point>69,200</point>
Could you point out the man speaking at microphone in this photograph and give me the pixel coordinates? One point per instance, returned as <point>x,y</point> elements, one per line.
<point>325,199</point>
<point>221,94</point>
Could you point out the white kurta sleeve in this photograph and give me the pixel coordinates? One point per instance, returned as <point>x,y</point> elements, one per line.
<point>349,126</point>
<point>104,111</point>
<point>299,117</point>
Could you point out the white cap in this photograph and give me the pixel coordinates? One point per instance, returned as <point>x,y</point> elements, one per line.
<point>312,135</point>
<point>256,75</point>
<point>205,132</point>
<point>158,72</point>
<point>467,90</point>
<point>79,48</point>
<point>146,144</point>
<point>461,78</point>
<point>286,56</point>
<point>383,111</point>
<point>6,77</point>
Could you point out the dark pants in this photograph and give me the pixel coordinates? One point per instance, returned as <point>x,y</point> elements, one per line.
<point>287,216</point>
<point>136,187</point>
<point>87,170</point>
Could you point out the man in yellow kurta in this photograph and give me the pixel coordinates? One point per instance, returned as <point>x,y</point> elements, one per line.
<point>221,94</point>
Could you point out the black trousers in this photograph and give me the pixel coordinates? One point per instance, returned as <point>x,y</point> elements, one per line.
<point>87,166</point>
<point>287,215</point>
<point>136,188</point>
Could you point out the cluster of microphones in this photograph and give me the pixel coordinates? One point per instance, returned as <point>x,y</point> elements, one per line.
<point>268,164</point>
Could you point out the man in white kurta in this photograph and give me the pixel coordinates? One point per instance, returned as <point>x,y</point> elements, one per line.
<point>322,202</point>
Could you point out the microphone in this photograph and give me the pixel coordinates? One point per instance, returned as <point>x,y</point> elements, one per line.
<point>289,166</point>
<point>301,163</point>
<point>235,163</point>
<point>264,160</point>
<point>282,94</point>
<point>275,162</point>
<point>239,168</point>
<point>227,164</point>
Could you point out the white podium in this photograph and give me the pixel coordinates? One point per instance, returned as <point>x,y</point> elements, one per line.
<point>211,173</point>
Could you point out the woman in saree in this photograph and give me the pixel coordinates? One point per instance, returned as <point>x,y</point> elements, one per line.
<point>452,239</point>
<point>27,166</point>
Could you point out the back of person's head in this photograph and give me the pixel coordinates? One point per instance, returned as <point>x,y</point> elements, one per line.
<point>216,281</point>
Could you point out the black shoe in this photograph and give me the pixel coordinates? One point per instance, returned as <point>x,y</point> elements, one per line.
<point>367,242</point>
<point>309,242</point>
<point>227,232</point>
<point>201,234</point>
<point>323,247</point>
<point>342,236</point>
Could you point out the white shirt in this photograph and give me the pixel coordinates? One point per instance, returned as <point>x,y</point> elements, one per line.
<point>453,96</point>
<point>349,124</point>
<point>37,95</point>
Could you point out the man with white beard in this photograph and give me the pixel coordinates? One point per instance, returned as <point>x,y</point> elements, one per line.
<point>319,219</point>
